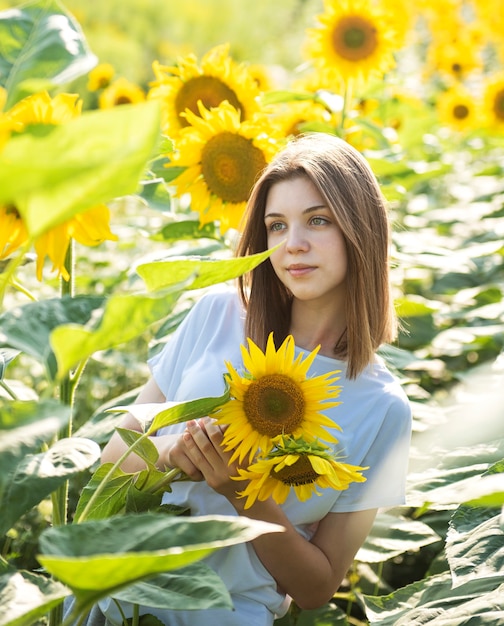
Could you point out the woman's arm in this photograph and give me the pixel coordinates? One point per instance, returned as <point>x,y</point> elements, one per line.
<point>309,571</point>
<point>171,451</point>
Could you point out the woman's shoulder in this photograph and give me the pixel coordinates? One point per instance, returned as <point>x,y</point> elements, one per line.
<point>219,299</point>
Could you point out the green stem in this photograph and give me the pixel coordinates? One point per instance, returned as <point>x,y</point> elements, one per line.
<point>379,574</point>
<point>7,277</point>
<point>168,478</point>
<point>347,97</point>
<point>6,387</point>
<point>67,388</point>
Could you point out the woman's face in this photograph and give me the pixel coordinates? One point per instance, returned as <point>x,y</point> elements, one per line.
<point>312,263</point>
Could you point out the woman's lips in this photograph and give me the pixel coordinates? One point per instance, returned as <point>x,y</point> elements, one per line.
<point>299,270</point>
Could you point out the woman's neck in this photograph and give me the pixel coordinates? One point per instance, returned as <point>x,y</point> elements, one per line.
<point>311,326</point>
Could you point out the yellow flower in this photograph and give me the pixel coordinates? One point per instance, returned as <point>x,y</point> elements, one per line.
<point>40,108</point>
<point>121,91</point>
<point>458,109</point>
<point>89,228</point>
<point>275,397</point>
<point>12,230</point>
<point>223,157</point>
<point>217,78</point>
<point>493,100</point>
<point>296,464</point>
<point>354,39</point>
<point>296,117</point>
<point>100,76</point>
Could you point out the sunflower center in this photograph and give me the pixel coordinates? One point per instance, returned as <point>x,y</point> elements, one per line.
<point>460,111</point>
<point>354,38</point>
<point>499,105</point>
<point>300,473</point>
<point>274,405</point>
<point>123,99</point>
<point>230,165</point>
<point>11,209</point>
<point>210,90</point>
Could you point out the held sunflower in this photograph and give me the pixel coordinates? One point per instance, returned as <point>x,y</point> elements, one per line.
<point>275,397</point>
<point>222,157</point>
<point>215,79</point>
<point>299,465</point>
<point>89,228</point>
<point>354,39</point>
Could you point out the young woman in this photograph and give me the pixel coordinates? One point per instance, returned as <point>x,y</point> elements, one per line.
<point>326,285</point>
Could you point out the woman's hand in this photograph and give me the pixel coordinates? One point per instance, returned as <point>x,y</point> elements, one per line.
<point>202,445</point>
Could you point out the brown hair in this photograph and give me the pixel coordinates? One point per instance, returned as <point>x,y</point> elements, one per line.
<point>345,180</point>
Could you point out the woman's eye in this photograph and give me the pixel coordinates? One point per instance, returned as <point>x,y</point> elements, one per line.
<point>319,221</point>
<point>275,226</point>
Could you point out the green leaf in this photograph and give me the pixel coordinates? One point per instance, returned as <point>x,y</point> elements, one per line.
<point>28,327</point>
<point>37,475</point>
<point>125,317</point>
<point>97,558</point>
<point>186,229</point>
<point>196,586</point>
<point>26,598</point>
<point>206,271</point>
<point>392,536</point>
<point>474,545</point>
<point>161,414</point>
<point>25,426</point>
<point>40,40</point>
<point>85,162</point>
<point>145,449</point>
<point>435,602</point>
<point>113,498</point>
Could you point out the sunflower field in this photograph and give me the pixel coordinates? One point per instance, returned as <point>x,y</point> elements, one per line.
<point>131,132</point>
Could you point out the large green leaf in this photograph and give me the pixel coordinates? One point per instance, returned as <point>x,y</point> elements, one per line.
<point>85,162</point>
<point>28,327</point>
<point>206,271</point>
<point>196,586</point>
<point>475,545</point>
<point>392,535</point>
<point>436,602</point>
<point>97,558</point>
<point>112,499</point>
<point>41,44</point>
<point>26,598</point>
<point>156,415</point>
<point>125,316</point>
<point>37,475</point>
<point>24,427</point>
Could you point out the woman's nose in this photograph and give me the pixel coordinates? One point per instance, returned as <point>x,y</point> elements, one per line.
<point>296,240</point>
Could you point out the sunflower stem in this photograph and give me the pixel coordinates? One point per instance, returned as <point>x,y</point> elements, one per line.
<point>347,97</point>
<point>67,388</point>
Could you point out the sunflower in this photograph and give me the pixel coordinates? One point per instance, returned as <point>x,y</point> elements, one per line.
<point>89,228</point>
<point>223,157</point>
<point>458,109</point>
<point>354,39</point>
<point>296,117</point>
<point>297,464</point>
<point>121,91</point>
<point>12,230</point>
<point>493,100</point>
<point>100,76</point>
<point>215,79</point>
<point>275,397</point>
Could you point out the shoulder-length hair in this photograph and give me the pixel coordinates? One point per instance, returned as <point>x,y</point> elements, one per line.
<point>347,184</point>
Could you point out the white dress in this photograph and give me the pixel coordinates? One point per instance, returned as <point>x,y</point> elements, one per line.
<point>375,418</point>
